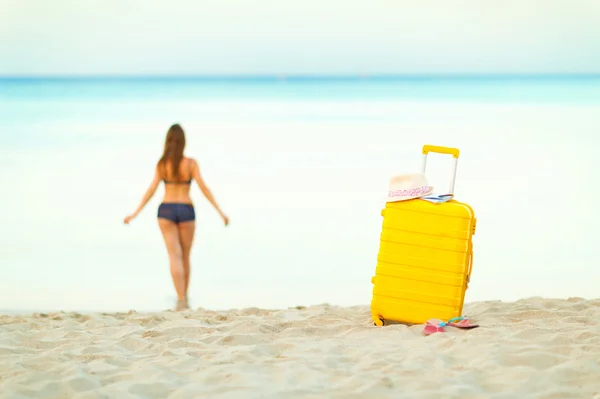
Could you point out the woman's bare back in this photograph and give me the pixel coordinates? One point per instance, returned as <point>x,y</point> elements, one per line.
<point>178,189</point>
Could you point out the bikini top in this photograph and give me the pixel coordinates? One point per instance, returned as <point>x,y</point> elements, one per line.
<point>177,182</point>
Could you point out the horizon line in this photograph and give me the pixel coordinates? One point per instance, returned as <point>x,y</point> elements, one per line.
<point>293,76</point>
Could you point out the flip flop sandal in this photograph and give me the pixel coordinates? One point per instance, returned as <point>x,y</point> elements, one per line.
<point>461,322</point>
<point>433,326</point>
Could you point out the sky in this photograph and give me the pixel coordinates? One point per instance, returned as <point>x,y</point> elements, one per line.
<point>174,37</point>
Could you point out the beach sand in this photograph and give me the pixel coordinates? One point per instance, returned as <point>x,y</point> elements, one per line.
<point>532,348</point>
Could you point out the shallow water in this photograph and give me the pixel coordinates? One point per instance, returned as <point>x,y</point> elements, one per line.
<point>301,167</point>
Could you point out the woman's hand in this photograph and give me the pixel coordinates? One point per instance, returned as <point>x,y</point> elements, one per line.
<point>225,219</point>
<point>129,218</point>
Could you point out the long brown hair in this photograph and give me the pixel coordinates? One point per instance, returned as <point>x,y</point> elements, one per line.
<point>174,145</point>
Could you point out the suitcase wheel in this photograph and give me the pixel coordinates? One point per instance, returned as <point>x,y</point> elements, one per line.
<point>381,322</point>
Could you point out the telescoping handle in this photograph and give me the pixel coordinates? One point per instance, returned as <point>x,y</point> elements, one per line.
<point>455,152</point>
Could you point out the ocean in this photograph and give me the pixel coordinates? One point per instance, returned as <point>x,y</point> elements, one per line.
<point>301,166</point>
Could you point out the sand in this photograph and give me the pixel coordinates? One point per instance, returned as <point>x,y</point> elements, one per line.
<point>532,348</point>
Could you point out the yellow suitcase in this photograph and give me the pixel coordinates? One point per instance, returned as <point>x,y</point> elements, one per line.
<point>425,257</point>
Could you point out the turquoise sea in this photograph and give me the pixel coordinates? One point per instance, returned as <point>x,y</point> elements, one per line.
<point>301,166</point>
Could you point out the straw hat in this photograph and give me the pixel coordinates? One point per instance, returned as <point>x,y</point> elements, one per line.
<point>406,187</point>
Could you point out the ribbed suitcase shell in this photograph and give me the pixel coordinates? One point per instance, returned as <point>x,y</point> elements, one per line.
<point>424,261</point>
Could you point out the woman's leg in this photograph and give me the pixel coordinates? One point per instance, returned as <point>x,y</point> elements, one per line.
<point>170,234</point>
<point>186,235</point>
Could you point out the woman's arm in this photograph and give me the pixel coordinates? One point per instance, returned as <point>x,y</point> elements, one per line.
<point>149,193</point>
<point>205,190</point>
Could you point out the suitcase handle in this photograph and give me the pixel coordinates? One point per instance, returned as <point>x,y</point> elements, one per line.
<point>455,152</point>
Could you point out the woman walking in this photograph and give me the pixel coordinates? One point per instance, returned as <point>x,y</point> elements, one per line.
<point>176,216</point>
